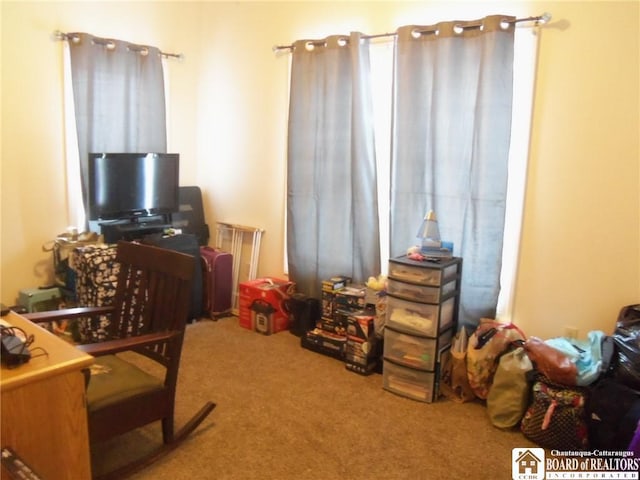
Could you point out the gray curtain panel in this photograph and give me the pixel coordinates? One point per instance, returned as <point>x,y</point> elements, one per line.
<point>450,146</point>
<point>118,91</point>
<point>332,207</point>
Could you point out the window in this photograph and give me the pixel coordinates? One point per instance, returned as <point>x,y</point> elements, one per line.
<point>526,44</point>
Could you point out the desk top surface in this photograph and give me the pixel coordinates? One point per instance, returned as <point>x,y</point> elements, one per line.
<point>61,357</point>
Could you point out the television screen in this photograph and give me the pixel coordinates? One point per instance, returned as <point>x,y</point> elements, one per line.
<point>130,185</point>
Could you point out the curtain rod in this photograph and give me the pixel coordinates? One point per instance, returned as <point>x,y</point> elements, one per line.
<point>539,19</point>
<point>61,36</point>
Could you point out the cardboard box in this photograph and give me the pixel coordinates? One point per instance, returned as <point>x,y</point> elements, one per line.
<point>371,296</point>
<point>361,325</point>
<point>324,342</point>
<point>262,304</point>
<point>336,324</point>
<point>350,297</point>
<point>328,304</point>
<point>336,283</point>
<point>362,356</point>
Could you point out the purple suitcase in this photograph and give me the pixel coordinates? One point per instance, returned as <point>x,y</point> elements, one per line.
<point>217,280</point>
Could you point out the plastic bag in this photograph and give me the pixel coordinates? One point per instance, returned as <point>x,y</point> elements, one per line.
<point>455,383</point>
<point>490,340</point>
<point>508,397</point>
<point>627,341</point>
<point>569,361</point>
<point>613,411</point>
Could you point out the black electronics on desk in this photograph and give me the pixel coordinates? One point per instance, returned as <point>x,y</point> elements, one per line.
<point>133,194</point>
<point>132,185</point>
<point>129,230</point>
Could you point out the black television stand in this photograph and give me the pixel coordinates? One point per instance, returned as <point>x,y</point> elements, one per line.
<point>133,229</point>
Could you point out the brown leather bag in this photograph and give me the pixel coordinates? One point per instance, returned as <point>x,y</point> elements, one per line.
<point>552,363</point>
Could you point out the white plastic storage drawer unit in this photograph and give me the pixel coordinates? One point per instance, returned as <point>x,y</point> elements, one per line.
<point>420,293</point>
<point>418,385</point>
<point>423,273</point>
<point>414,351</point>
<point>419,318</point>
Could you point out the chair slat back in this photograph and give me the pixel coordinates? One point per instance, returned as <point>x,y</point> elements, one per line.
<point>153,292</point>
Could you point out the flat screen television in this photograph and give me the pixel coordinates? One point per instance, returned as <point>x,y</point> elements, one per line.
<point>132,185</point>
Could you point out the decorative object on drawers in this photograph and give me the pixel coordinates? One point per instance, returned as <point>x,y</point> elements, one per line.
<point>423,298</point>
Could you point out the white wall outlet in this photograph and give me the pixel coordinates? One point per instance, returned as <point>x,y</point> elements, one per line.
<point>570,332</point>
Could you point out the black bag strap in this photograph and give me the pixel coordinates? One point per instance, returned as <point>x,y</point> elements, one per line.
<point>608,353</point>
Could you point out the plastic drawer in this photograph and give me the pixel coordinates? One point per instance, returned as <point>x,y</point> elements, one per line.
<point>419,318</point>
<point>414,352</point>
<point>420,293</point>
<point>420,274</point>
<point>408,382</point>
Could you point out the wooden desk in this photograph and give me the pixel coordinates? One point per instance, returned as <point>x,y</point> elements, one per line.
<point>44,418</point>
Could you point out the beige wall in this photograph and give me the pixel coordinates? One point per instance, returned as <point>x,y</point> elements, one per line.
<point>580,254</point>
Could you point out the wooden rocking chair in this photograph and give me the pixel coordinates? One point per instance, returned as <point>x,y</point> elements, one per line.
<point>148,317</point>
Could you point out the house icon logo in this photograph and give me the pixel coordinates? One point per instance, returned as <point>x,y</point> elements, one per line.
<point>527,464</point>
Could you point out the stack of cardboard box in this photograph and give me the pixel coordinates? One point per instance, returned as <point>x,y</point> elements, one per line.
<point>346,327</point>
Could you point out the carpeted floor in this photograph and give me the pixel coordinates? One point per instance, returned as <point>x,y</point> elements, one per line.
<point>284,412</point>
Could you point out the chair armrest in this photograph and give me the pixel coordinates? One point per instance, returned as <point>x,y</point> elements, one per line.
<point>67,314</point>
<point>110,347</point>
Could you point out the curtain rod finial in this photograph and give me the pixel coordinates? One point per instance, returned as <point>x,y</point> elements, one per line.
<point>281,48</point>
<point>545,17</point>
